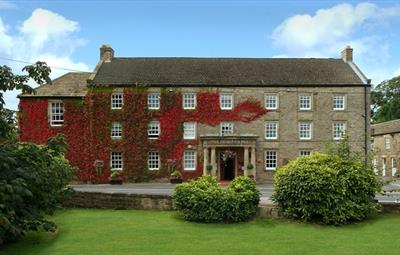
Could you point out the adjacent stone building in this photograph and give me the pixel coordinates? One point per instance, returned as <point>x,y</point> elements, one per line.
<point>386,145</point>
<point>220,116</point>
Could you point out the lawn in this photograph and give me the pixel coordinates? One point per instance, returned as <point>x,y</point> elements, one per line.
<point>89,231</point>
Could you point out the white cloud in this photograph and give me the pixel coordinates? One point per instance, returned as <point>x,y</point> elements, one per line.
<point>45,36</point>
<point>7,5</point>
<point>328,31</point>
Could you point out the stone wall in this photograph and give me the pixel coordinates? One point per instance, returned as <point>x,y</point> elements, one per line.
<point>120,201</point>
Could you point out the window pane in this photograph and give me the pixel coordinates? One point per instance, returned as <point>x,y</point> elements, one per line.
<point>189,101</point>
<point>271,102</point>
<point>189,130</point>
<point>56,114</point>
<point>339,130</point>
<point>116,130</point>
<point>153,101</point>
<point>153,161</point>
<point>226,128</point>
<point>116,100</point>
<point>153,129</point>
<point>338,102</point>
<point>116,161</point>
<point>271,160</point>
<point>305,152</point>
<point>226,101</point>
<point>305,102</point>
<point>189,160</point>
<point>305,130</point>
<point>271,130</point>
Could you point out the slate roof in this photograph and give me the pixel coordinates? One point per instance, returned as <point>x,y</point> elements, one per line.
<point>225,72</point>
<point>388,127</point>
<point>73,84</point>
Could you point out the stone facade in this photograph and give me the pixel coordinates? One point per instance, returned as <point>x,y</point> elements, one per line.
<point>386,145</point>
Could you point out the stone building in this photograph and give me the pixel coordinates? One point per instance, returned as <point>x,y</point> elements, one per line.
<point>220,116</point>
<point>386,145</point>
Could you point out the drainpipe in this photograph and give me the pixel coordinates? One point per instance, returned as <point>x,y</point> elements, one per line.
<point>366,108</point>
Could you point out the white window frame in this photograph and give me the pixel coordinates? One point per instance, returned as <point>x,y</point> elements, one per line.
<point>334,131</point>
<point>153,129</point>
<point>305,152</point>
<point>387,141</point>
<point>189,130</point>
<point>308,123</point>
<point>266,101</point>
<point>117,100</point>
<point>153,160</point>
<point>334,100</point>
<point>375,165</point>
<point>230,127</point>
<point>223,98</point>
<point>393,162</point>
<point>189,103</point>
<point>153,101</point>
<point>116,160</point>
<point>301,99</point>
<point>270,153</point>
<point>189,160</point>
<point>116,130</point>
<point>56,113</point>
<point>268,124</point>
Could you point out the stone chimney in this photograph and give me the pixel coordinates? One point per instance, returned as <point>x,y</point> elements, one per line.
<point>106,53</point>
<point>347,54</point>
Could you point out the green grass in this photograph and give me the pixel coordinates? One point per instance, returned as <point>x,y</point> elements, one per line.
<point>103,232</point>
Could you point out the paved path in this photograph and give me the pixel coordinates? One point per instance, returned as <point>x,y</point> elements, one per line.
<point>167,189</point>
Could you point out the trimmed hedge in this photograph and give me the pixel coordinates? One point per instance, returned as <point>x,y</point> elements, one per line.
<point>326,189</point>
<point>204,200</point>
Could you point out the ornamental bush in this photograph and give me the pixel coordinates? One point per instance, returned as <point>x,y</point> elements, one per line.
<point>32,184</point>
<point>204,200</point>
<point>330,189</point>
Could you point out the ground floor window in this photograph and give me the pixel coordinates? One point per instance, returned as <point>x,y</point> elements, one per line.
<point>153,161</point>
<point>189,160</point>
<point>116,161</point>
<point>305,152</point>
<point>271,159</point>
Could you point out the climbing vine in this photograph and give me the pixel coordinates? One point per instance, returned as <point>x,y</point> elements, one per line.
<point>87,128</point>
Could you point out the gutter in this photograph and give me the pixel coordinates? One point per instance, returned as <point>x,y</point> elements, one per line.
<point>366,121</point>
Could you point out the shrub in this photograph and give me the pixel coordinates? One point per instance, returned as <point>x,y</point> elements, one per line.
<point>204,200</point>
<point>32,184</point>
<point>326,188</point>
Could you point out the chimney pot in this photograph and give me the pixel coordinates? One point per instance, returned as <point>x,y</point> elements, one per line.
<point>106,53</point>
<point>347,54</point>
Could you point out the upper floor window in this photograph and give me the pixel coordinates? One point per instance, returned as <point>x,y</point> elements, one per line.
<point>116,161</point>
<point>339,102</point>
<point>189,160</point>
<point>56,113</point>
<point>305,102</point>
<point>305,152</point>
<point>153,101</point>
<point>338,130</point>
<point>271,130</point>
<point>226,128</point>
<point>153,129</point>
<point>189,101</point>
<point>117,100</point>
<point>116,130</point>
<point>271,101</point>
<point>271,159</point>
<point>387,142</point>
<point>226,101</point>
<point>305,130</point>
<point>189,130</point>
<point>153,160</point>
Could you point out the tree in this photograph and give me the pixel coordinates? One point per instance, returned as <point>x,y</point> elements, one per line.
<point>39,72</point>
<point>386,100</point>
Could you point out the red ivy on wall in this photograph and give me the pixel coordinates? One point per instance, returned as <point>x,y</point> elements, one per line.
<point>87,129</point>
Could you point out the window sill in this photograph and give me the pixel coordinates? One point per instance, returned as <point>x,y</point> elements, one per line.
<point>154,169</point>
<point>270,169</point>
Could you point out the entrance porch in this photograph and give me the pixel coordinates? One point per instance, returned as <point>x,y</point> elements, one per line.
<point>229,156</point>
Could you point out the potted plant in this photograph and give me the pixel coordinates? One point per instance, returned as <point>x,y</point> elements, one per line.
<point>116,177</point>
<point>176,177</point>
<point>209,169</point>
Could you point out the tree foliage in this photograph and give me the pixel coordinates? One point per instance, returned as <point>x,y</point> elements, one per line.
<point>386,100</point>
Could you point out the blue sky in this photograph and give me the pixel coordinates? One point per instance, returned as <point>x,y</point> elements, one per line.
<point>68,34</point>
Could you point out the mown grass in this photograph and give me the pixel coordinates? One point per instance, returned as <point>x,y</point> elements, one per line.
<point>90,231</point>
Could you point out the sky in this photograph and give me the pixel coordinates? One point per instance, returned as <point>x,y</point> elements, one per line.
<point>68,34</point>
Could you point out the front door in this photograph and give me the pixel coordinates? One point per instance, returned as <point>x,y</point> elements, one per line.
<point>228,168</point>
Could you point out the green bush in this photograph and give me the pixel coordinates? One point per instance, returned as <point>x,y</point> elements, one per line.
<point>32,184</point>
<point>330,189</point>
<point>204,200</point>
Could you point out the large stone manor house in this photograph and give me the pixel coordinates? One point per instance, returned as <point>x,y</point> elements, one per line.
<point>220,116</point>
